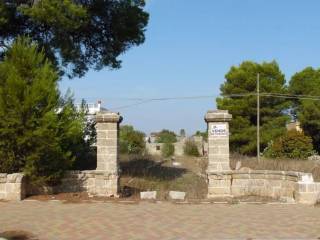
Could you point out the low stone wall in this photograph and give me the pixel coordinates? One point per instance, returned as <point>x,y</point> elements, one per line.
<point>95,183</point>
<point>12,186</point>
<point>292,186</point>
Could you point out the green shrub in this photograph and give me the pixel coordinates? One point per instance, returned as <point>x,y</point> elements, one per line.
<point>167,150</point>
<point>293,145</point>
<point>204,135</point>
<point>166,136</point>
<point>190,148</point>
<point>131,140</point>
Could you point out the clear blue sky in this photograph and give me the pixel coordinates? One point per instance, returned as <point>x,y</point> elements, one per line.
<point>190,45</point>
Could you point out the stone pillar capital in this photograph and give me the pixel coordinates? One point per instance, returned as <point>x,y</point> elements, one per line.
<point>218,116</point>
<point>108,117</point>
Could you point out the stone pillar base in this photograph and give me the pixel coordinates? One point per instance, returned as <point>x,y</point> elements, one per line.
<point>12,186</point>
<point>104,184</point>
<point>219,184</point>
<point>307,192</point>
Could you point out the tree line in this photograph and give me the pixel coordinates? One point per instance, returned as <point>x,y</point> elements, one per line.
<point>283,101</point>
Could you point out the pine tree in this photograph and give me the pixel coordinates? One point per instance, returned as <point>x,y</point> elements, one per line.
<point>307,111</point>
<point>37,127</point>
<point>76,35</point>
<point>243,127</point>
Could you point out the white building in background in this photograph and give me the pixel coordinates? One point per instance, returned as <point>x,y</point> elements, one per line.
<point>93,108</point>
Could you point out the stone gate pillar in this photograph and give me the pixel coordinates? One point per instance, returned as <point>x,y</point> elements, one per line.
<point>107,174</point>
<point>219,174</point>
<point>218,140</point>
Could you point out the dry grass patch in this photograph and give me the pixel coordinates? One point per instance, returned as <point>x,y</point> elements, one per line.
<point>148,173</point>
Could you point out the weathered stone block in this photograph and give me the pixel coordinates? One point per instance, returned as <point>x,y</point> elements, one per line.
<point>306,177</point>
<point>112,134</point>
<point>102,135</point>
<point>240,176</point>
<point>225,166</point>
<point>108,141</point>
<point>14,178</point>
<point>107,150</point>
<point>311,187</point>
<point>3,196</point>
<point>175,195</point>
<point>240,182</point>
<point>219,156</point>
<point>238,191</point>
<point>3,179</point>
<point>274,176</point>
<point>219,175</point>
<point>255,191</point>
<point>257,182</point>
<point>106,126</point>
<point>291,178</point>
<point>218,141</point>
<point>307,197</point>
<point>287,192</point>
<point>301,187</point>
<point>276,192</point>
<point>257,175</point>
<point>275,183</point>
<point>12,187</point>
<point>2,187</point>
<point>149,195</point>
<point>219,183</point>
<point>217,192</point>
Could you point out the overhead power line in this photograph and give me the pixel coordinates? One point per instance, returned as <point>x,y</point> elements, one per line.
<point>131,105</point>
<point>261,94</point>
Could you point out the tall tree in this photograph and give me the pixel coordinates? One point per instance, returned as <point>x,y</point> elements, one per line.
<point>76,34</point>
<point>307,111</point>
<point>242,80</point>
<point>38,129</point>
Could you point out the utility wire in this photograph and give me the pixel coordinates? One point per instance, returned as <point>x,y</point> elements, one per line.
<point>276,95</point>
<point>177,98</point>
<point>314,98</point>
<point>212,96</point>
<point>131,105</point>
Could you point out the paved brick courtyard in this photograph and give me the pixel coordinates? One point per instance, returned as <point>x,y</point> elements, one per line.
<point>56,220</point>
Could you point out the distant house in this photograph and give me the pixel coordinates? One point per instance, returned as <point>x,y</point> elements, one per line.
<point>294,125</point>
<point>91,110</point>
<point>155,148</point>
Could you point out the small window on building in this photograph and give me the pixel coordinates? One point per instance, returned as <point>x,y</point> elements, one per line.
<point>158,148</point>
